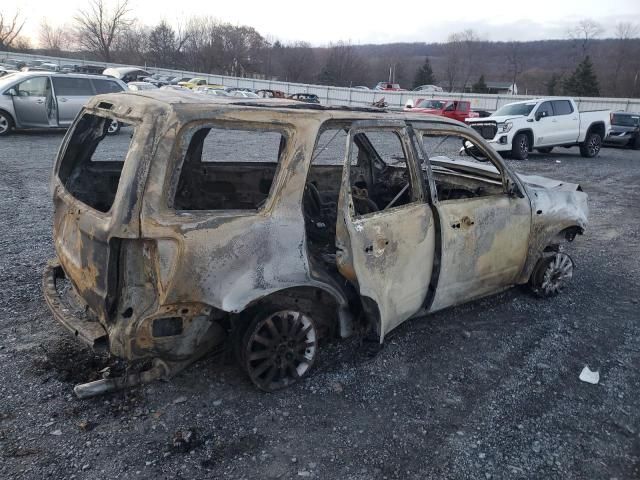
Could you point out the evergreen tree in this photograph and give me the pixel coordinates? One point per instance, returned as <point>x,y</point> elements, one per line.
<point>424,75</point>
<point>480,86</point>
<point>583,82</point>
<point>553,85</point>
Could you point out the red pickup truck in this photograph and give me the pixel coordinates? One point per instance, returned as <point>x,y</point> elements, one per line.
<point>456,109</point>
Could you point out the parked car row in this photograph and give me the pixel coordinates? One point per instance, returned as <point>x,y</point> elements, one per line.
<point>48,99</point>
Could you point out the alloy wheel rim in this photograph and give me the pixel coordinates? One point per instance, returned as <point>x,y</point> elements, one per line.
<point>281,349</point>
<point>113,126</point>
<point>523,145</point>
<point>557,274</point>
<point>594,146</point>
<point>4,124</point>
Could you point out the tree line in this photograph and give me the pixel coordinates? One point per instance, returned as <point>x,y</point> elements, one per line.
<point>582,64</point>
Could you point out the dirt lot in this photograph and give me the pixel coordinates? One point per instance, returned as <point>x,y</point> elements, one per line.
<point>486,390</point>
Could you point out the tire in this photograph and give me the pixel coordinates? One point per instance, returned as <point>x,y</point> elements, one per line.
<point>6,123</point>
<point>520,147</point>
<point>551,275</point>
<point>591,145</point>
<point>278,347</point>
<point>636,143</point>
<point>545,150</point>
<point>114,128</point>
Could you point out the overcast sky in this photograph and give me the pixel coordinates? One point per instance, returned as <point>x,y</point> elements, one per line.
<point>325,21</point>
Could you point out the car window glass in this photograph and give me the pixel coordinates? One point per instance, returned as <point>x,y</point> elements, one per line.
<point>69,86</point>
<point>33,87</point>
<point>106,86</point>
<point>545,107</point>
<point>562,107</point>
<point>228,169</point>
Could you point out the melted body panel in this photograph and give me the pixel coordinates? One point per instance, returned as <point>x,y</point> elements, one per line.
<point>165,282</point>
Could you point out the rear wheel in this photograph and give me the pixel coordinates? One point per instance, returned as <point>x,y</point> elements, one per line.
<point>278,348</point>
<point>6,123</point>
<point>591,145</point>
<point>545,149</point>
<point>520,147</point>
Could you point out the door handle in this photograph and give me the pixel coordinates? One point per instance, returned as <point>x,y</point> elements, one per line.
<point>463,222</point>
<point>62,99</point>
<point>40,101</point>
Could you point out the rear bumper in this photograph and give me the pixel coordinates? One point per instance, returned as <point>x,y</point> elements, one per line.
<point>88,331</point>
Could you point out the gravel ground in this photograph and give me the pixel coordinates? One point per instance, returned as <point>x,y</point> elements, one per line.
<point>486,390</point>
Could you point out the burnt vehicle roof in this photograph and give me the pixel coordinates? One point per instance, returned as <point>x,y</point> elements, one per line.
<point>141,102</point>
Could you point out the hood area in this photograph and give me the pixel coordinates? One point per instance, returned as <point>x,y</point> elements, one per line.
<point>550,183</point>
<point>492,118</point>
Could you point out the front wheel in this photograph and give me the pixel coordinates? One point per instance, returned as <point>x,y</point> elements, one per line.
<point>6,123</point>
<point>551,275</point>
<point>114,128</point>
<point>591,145</point>
<point>520,147</point>
<point>278,348</point>
<point>636,143</point>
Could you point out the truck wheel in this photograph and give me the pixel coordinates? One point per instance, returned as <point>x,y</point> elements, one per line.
<point>278,348</point>
<point>591,145</point>
<point>545,149</point>
<point>114,128</point>
<point>551,275</point>
<point>6,123</point>
<point>520,147</point>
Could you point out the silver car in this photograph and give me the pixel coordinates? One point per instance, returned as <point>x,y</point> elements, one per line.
<point>48,99</point>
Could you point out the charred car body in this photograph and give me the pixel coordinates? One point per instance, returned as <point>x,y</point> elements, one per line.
<point>269,225</point>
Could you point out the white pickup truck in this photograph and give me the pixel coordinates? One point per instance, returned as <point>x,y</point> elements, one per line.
<point>520,127</point>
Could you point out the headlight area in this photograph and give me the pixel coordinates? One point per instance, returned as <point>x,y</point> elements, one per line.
<point>505,127</point>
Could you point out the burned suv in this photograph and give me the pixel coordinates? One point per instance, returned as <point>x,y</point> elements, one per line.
<point>269,225</point>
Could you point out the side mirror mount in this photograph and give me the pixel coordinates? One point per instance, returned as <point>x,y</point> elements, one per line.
<point>513,190</point>
<point>12,92</point>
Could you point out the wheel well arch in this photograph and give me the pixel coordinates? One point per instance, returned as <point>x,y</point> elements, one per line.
<point>529,133</point>
<point>13,119</point>
<point>322,303</point>
<point>596,127</point>
<point>548,242</point>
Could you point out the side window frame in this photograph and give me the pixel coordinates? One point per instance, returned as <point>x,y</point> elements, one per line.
<point>411,157</point>
<point>554,102</point>
<point>181,147</point>
<point>548,102</point>
<point>506,175</point>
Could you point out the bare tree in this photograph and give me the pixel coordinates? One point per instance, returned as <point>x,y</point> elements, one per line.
<point>343,65</point>
<point>624,57</point>
<point>461,58</point>
<point>10,28</point>
<point>297,62</point>
<point>98,26</point>
<point>55,39</point>
<point>515,60</point>
<point>584,32</point>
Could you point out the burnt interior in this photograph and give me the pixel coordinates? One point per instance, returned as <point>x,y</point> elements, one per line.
<point>205,183</point>
<point>375,185</point>
<point>92,163</point>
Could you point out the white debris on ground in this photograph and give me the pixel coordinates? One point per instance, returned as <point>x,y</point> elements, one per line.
<point>589,376</point>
